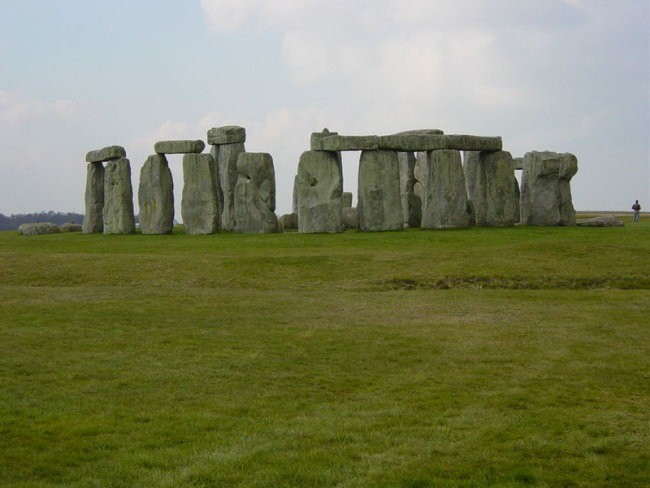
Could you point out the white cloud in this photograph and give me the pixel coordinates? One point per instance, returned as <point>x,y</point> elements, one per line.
<point>16,110</point>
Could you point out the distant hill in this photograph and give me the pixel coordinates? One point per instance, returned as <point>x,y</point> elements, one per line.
<point>14,221</point>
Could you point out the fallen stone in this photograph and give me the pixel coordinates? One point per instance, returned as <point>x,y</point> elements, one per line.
<point>320,185</point>
<point>110,153</point>
<point>344,143</point>
<point>379,205</point>
<point>411,203</point>
<point>118,198</point>
<point>444,198</point>
<point>288,221</point>
<point>70,227</point>
<point>350,217</point>
<point>37,228</point>
<point>255,194</point>
<point>93,222</point>
<point>601,221</point>
<point>225,157</point>
<point>179,147</point>
<point>156,196</point>
<point>346,199</point>
<point>200,203</point>
<point>227,134</point>
<point>545,189</point>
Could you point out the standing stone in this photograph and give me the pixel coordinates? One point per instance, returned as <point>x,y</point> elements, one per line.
<point>546,190</point>
<point>294,199</point>
<point>515,185</point>
<point>118,198</point>
<point>225,156</point>
<point>444,197</point>
<point>379,206</point>
<point>255,194</point>
<point>320,185</point>
<point>200,203</point>
<point>350,217</point>
<point>489,180</point>
<point>156,196</point>
<point>94,219</point>
<point>346,199</point>
<point>411,203</point>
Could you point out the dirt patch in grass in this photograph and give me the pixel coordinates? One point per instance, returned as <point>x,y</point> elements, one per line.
<point>513,283</point>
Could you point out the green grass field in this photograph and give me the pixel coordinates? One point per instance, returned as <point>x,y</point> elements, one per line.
<point>480,357</point>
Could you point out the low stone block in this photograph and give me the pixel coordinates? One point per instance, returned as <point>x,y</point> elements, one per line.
<point>288,221</point>
<point>110,153</point>
<point>601,221</point>
<point>345,143</point>
<point>350,217</point>
<point>179,147</point>
<point>37,228</point>
<point>200,203</point>
<point>227,134</point>
<point>70,227</point>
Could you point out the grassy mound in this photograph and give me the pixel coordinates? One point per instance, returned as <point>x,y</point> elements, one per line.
<point>478,357</point>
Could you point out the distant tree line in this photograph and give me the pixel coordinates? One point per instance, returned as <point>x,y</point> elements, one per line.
<point>14,221</point>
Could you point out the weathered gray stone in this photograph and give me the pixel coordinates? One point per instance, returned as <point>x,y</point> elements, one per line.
<point>515,184</point>
<point>411,203</point>
<point>288,221</point>
<point>444,197</point>
<point>601,221</point>
<point>37,228</point>
<point>545,189</point>
<point>255,194</point>
<point>200,203</point>
<point>320,185</point>
<point>179,147</point>
<point>70,227</point>
<point>94,217</point>
<point>316,136</point>
<point>422,141</point>
<point>489,180</point>
<point>109,153</point>
<point>519,163</point>
<point>294,199</point>
<point>118,198</point>
<point>463,142</point>
<point>227,134</point>
<point>379,207</point>
<point>350,217</point>
<point>225,156</point>
<point>346,199</point>
<point>432,132</point>
<point>156,196</point>
<point>344,143</point>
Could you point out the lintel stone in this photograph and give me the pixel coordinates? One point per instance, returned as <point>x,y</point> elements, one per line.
<point>179,147</point>
<point>345,143</point>
<point>227,134</point>
<point>420,141</point>
<point>109,153</point>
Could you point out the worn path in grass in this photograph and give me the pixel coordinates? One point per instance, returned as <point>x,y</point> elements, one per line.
<point>480,357</point>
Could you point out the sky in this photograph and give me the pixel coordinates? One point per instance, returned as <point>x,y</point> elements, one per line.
<point>558,75</point>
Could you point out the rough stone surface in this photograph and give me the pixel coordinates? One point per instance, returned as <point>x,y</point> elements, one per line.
<point>463,142</point>
<point>294,199</point>
<point>288,221</point>
<point>422,141</point>
<point>200,203</point>
<point>179,147</point>
<point>227,134</point>
<point>545,189</point>
<point>320,185</point>
<point>444,198</point>
<point>37,228</point>
<point>70,227</point>
<point>156,196</point>
<point>94,214</point>
<point>379,205</point>
<point>344,143</point>
<point>411,203</point>
<point>255,194</point>
<point>489,180</point>
<point>601,221</point>
<point>350,217</point>
<point>118,198</point>
<point>316,136</point>
<point>346,199</point>
<point>515,184</point>
<point>109,153</point>
<point>432,132</point>
<point>225,157</point>
<point>519,163</point>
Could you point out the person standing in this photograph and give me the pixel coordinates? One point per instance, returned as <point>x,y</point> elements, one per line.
<point>637,210</point>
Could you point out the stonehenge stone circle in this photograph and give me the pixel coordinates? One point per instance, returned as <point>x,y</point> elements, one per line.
<point>110,153</point>
<point>489,179</point>
<point>346,199</point>
<point>200,203</point>
<point>179,147</point>
<point>93,222</point>
<point>156,196</point>
<point>444,197</point>
<point>546,190</point>
<point>379,205</point>
<point>225,156</point>
<point>118,198</point>
<point>411,203</point>
<point>320,186</point>
<point>255,194</point>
